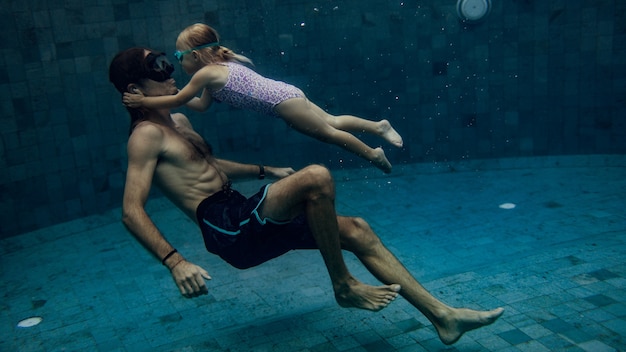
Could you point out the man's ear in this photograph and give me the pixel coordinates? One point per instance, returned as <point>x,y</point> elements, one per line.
<point>132,88</point>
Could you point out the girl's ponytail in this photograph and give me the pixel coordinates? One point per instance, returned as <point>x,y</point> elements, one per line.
<point>230,55</point>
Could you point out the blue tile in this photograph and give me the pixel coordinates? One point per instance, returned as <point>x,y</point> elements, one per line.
<point>603,274</point>
<point>556,342</point>
<point>514,337</point>
<point>557,325</point>
<point>377,346</point>
<point>600,300</point>
<point>408,325</point>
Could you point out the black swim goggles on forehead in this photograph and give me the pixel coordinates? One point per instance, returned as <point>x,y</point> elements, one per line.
<point>158,67</point>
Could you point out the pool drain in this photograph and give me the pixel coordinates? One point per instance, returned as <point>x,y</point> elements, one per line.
<point>29,322</point>
<point>473,11</point>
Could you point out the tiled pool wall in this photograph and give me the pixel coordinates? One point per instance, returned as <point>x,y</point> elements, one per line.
<point>535,78</point>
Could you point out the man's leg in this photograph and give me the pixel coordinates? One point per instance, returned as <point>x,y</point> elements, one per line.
<point>451,323</point>
<point>312,191</point>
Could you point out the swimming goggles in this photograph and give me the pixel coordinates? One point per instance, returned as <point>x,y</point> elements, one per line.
<point>158,67</point>
<point>179,54</point>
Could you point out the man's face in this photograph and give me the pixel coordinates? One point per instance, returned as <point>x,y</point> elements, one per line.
<point>154,88</point>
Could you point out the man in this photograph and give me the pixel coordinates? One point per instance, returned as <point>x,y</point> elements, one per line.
<point>295,212</point>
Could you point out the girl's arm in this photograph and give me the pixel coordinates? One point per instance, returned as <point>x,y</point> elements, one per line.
<point>207,77</point>
<point>201,103</point>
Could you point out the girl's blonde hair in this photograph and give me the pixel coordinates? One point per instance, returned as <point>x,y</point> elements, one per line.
<point>200,34</point>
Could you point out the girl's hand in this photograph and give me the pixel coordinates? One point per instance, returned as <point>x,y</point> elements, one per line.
<point>132,100</point>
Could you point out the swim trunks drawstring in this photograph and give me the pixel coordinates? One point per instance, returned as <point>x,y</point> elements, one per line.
<point>226,188</point>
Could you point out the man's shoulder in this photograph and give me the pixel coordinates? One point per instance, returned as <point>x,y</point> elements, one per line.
<point>146,129</point>
<point>180,118</point>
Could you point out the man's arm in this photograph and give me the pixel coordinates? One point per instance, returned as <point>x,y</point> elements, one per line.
<point>236,170</point>
<point>144,147</point>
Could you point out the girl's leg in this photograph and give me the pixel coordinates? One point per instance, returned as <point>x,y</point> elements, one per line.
<point>300,115</point>
<point>351,123</point>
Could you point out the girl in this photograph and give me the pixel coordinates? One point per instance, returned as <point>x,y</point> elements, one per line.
<point>220,74</point>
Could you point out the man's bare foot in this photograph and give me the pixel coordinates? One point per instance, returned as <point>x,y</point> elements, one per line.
<point>389,133</point>
<point>462,320</point>
<point>380,160</point>
<point>359,295</point>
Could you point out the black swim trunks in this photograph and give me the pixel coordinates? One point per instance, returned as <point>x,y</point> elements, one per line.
<point>232,228</point>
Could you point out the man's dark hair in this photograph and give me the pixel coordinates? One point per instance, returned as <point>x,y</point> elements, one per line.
<point>128,67</point>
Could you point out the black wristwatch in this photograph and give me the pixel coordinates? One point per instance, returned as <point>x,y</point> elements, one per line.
<point>261,172</point>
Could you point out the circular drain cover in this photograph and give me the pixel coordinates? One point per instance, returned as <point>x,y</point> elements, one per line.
<point>473,10</point>
<point>28,322</point>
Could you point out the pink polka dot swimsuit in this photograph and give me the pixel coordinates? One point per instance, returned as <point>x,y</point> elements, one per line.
<point>247,89</point>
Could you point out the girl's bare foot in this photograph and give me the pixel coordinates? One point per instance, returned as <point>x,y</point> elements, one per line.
<point>359,295</point>
<point>380,160</point>
<point>460,321</point>
<point>389,133</point>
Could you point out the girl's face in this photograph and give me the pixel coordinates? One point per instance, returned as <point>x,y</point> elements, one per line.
<point>189,60</point>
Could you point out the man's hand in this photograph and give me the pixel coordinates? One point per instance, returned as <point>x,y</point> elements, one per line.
<point>190,279</point>
<point>132,100</point>
<point>279,172</point>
